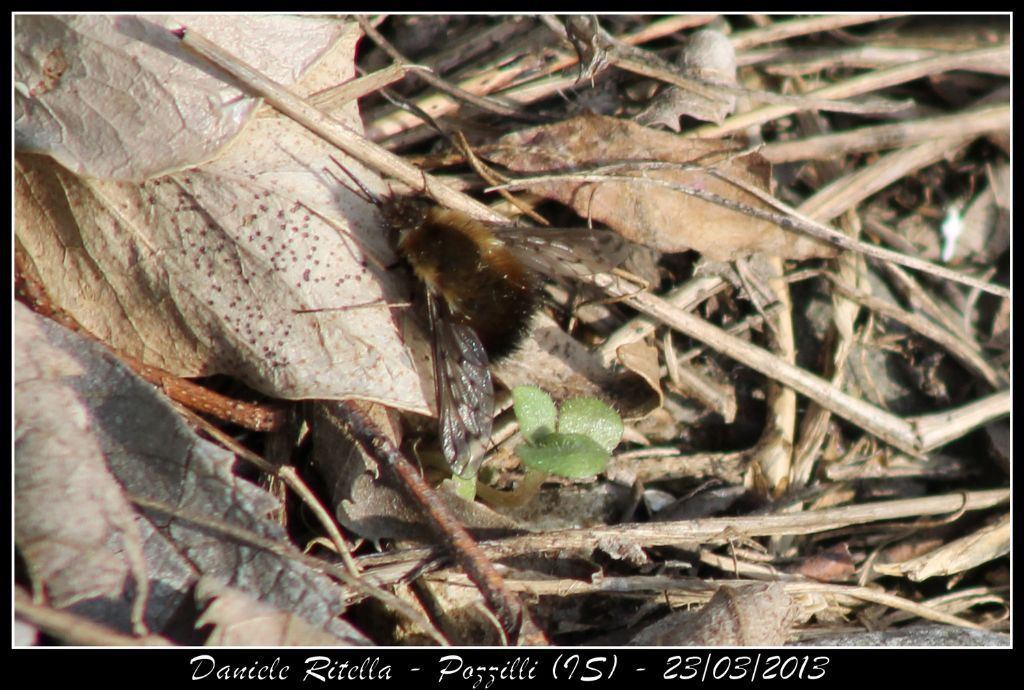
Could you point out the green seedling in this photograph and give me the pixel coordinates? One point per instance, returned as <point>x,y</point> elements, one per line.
<point>575,442</point>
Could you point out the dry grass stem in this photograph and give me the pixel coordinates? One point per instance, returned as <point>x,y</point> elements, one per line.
<point>780,31</point>
<point>969,124</point>
<point>978,59</point>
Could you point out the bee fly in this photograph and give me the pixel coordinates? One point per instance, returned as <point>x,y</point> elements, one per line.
<point>482,286</point>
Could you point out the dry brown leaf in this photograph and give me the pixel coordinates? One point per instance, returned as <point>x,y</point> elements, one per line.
<point>834,564</point>
<point>239,620</point>
<point>710,57</point>
<point>199,518</point>
<point>758,615</point>
<point>118,97</point>
<point>206,270</point>
<point>73,524</point>
<point>665,219</point>
<point>642,359</point>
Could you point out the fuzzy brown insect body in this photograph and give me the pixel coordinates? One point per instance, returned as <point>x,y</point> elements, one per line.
<point>486,287</point>
<point>480,299</point>
<point>483,284</point>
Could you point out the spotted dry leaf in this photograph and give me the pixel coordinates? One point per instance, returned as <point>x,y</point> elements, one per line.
<point>253,263</point>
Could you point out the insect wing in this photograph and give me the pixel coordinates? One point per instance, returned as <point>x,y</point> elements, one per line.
<point>565,252</point>
<point>465,393</point>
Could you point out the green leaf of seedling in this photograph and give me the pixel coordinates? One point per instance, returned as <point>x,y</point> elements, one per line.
<point>535,411</point>
<point>568,455</point>
<point>465,487</point>
<point>591,418</point>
